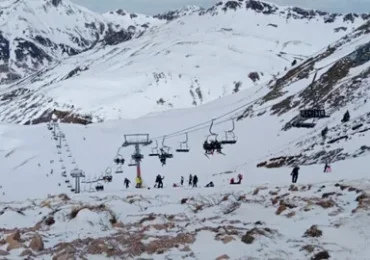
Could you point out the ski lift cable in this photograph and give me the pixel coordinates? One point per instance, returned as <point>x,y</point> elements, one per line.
<point>205,124</point>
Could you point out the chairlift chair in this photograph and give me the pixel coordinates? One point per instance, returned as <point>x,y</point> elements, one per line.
<point>209,145</point>
<point>184,147</point>
<point>60,160</point>
<point>72,190</point>
<point>119,160</point>
<point>316,111</point>
<point>59,152</point>
<point>73,162</point>
<point>119,169</point>
<point>66,181</point>
<point>99,187</point>
<point>312,113</point>
<point>69,186</point>
<point>165,150</point>
<point>63,167</point>
<point>69,155</point>
<point>154,151</point>
<point>304,125</point>
<point>132,163</point>
<point>137,157</point>
<point>108,178</point>
<point>230,137</point>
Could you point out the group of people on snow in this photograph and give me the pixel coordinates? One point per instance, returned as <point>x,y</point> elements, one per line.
<point>193,180</point>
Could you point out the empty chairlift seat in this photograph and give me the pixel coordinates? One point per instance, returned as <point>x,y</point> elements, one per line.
<point>313,113</point>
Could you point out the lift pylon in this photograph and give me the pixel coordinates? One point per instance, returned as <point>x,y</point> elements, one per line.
<point>136,140</point>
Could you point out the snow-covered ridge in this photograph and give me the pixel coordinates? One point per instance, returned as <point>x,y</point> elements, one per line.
<point>179,64</point>
<point>262,7</point>
<point>36,34</point>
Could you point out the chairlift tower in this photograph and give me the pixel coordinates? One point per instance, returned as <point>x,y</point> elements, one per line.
<point>136,140</point>
<point>60,137</point>
<point>77,174</point>
<point>55,125</point>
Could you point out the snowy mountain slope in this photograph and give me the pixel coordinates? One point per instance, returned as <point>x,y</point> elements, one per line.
<point>341,84</point>
<point>36,34</point>
<point>157,223</point>
<point>263,134</point>
<point>189,61</point>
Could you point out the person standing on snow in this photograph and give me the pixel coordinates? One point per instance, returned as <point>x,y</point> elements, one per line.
<point>294,174</point>
<point>190,180</point>
<point>159,181</point>
<point>139,182</point>
<point>182,180</point>
<point>195,181</point>
<point>327,168</point>
<point>127,182</point>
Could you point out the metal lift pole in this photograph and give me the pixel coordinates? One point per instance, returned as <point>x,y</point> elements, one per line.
<point>77,174</point>
<point>138,167</point>
<point>136,140</point>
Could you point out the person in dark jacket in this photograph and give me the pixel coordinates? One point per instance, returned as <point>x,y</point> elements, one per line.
<point>190,180</point>
<point>195,181</point>
<point>182,180</point>
<point>127,182</point>
<point>294,174</point>
<point>159,181</point>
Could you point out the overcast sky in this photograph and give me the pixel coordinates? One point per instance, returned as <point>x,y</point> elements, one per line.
<point>160,6</point>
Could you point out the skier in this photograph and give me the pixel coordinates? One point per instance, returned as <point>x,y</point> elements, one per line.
<point>327,168</point>
<point>127,182</point>
<point>195,181</point>
<point>182,180</point>
<point>190,180</point>
<point>294,174</point>
<point>209,185</point>
<point>159,181</point>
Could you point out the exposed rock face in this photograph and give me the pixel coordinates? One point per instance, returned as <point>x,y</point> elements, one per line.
<point>14,241</point>
<point>37,244</point>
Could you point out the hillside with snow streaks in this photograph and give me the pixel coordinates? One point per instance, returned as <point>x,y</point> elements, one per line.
<point>264,125</point>
<point>341,85</point>
<point>41,217</point>
<point>36,34</point>
<point>199,57</point>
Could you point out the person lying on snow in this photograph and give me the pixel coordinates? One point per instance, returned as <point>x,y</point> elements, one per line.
<point>210,185</point>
